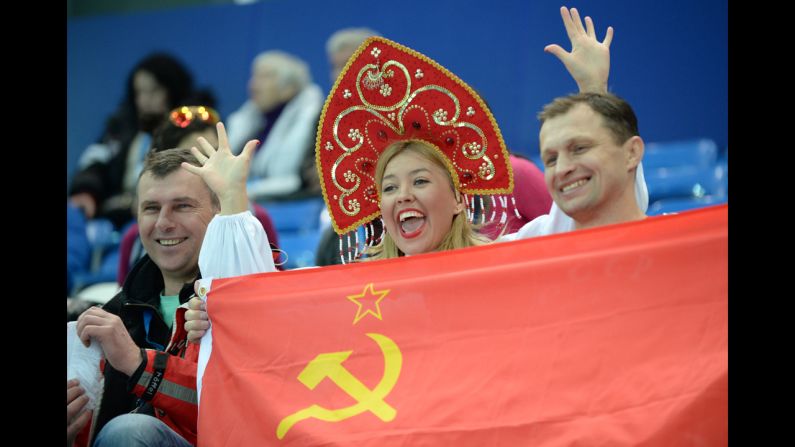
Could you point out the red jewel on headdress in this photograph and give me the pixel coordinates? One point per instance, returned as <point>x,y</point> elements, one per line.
<point>449,141</point>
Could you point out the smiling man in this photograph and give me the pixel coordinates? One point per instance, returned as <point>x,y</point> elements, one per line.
<point>591,150</point>
<point>149,369</point>
<point>173,213</point>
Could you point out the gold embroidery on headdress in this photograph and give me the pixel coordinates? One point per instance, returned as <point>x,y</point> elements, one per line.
<point>371,76</point>
<point>431,113</point>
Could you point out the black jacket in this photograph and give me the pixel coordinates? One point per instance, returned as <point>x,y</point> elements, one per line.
<point>141,291</point>
<point>104,180</point>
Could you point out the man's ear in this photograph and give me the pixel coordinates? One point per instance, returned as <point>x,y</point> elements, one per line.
<point>634,151</point>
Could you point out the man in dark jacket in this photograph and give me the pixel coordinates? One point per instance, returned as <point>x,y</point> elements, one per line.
<point>149,369</point>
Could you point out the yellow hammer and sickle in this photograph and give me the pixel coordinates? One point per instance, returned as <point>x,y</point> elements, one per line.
<point>330,365</point>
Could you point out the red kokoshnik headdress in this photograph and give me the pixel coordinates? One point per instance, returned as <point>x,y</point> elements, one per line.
<point>388,93</point>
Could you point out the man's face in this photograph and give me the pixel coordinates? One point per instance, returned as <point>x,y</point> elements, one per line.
<point>265,89</point>
<point>586,171</point>
<point>173,214</point>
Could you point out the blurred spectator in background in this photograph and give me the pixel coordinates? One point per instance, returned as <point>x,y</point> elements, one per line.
<point>341,45</point>
<point>282,113</point>
<point>108,170</point>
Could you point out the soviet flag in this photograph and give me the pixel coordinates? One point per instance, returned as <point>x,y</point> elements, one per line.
<point>613,336</point>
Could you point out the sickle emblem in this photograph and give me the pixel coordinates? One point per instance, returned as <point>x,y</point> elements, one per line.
<point>330,365</point>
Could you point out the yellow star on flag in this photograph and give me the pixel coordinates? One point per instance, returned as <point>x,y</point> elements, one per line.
<point>368,295</point>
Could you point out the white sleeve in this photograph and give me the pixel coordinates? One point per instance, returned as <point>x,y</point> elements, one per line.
<point>555,222</point>
<point>235,245</point>
<point>508,237</point>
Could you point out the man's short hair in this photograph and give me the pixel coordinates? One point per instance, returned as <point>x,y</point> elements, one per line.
<point>617,114</point>
<point>162,163</point>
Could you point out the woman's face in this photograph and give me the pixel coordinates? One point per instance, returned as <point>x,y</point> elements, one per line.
<point>417,202</point>
<point>150,96</point>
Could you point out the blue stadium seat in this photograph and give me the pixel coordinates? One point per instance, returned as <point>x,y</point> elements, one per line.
<point>676,205</point>
<point>102,236</point>
<point>701,153</point>
<point>683,169</point>
<point>720,178</point>
<point>295,215</point>
<point>682,181</point>
<point>104,241</point>
<point>300,248</point>
<point>104,272</point>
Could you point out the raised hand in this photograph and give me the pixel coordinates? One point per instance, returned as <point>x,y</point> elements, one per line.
<point>224,172</point>
<point>589,60</point>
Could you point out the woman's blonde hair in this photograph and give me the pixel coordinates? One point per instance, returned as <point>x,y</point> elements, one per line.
<point>462,233</point>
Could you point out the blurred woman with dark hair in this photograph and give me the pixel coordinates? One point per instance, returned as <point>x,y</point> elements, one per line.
<point>108,170</point>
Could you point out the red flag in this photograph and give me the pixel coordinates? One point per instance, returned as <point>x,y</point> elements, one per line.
<point>610,336</point>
